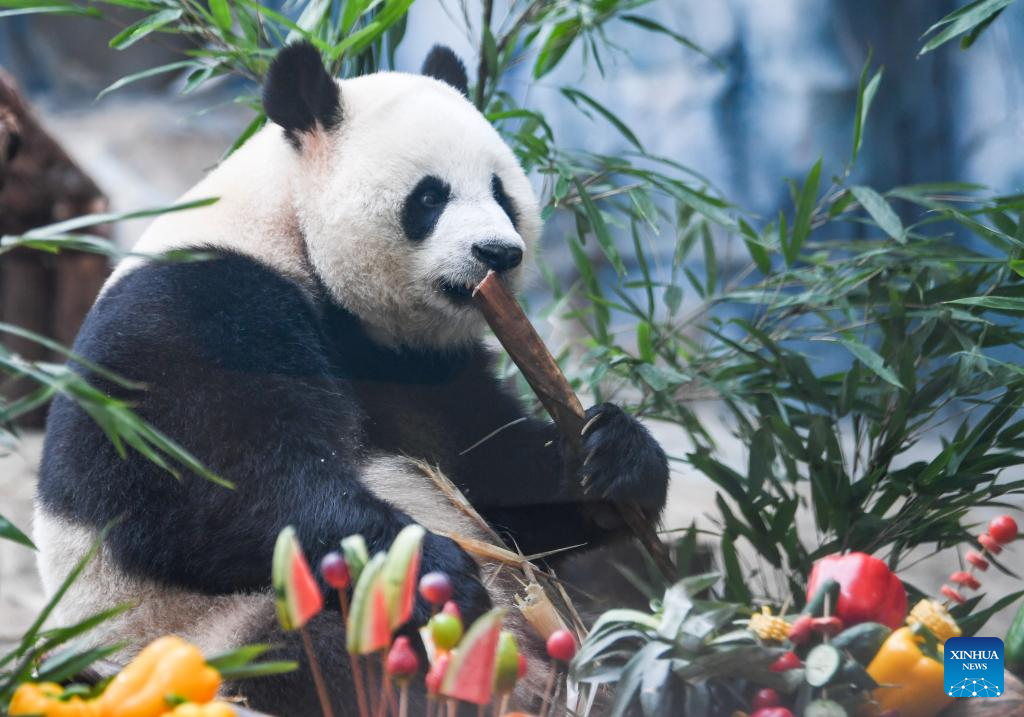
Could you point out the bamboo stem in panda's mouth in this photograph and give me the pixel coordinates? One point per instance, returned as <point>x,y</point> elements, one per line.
<point>540,369</point>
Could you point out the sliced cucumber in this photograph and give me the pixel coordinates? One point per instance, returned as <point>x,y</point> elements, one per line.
<point>821,665</point>
<point>824,708</point>
<point>862,641</point>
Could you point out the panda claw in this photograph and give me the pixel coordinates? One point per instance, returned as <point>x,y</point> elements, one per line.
<point>589,424</point>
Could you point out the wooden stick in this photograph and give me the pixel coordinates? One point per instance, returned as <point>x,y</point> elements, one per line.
<point>318,678</point>
<point>524,345</point>
<point>357,674</point>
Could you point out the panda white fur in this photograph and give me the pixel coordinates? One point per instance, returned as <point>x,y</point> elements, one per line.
<point>327,341</point>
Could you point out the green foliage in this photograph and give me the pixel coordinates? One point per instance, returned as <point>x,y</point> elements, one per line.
<point>969,22</point>
<point>679,659</point>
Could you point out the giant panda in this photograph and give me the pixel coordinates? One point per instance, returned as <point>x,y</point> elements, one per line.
<point>320,351</point>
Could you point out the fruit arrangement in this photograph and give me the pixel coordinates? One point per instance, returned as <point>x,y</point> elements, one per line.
<point>479,665</point>
<point>853,651</point>
<point>855,648</point>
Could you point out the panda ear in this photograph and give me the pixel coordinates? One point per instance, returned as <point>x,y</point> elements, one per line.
<point>299,95</point>
<point>443,64</point>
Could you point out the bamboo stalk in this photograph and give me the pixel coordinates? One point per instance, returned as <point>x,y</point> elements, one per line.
<point>526,348</point>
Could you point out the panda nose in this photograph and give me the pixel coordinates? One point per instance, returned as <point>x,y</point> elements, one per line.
<point>498,255</point>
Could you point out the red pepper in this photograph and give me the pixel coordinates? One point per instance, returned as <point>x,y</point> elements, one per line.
<point>868,590</point>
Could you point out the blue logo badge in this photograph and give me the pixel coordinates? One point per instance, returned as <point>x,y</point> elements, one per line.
<point>973,666</point>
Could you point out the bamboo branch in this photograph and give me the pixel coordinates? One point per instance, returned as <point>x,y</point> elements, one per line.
<point>541,371</point>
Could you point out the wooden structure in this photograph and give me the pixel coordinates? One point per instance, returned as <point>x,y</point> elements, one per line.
<point>40,184</point>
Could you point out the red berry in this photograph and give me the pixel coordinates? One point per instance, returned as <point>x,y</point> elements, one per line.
<point>961,577</point>
<point>521,672</point>
<point>335,571</point>
<point>450,608</point>
<point>436,588</point>
<point>800,630</point>
<point>1003,529</point>
<point>446,630</point>
<point>766,697</point>
<point>561,645</point>
<point>975,559</point>
<point>952,594</point>
<point>990,544</point>
<point>401,661</point>
<point>772,712</point>
<point>787,661</point>
<point>436,672</point>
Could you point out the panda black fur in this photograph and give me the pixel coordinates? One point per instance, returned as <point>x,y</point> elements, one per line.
<point>310,372</point>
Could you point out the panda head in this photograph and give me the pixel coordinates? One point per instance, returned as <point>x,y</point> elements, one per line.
<point>406,196</point>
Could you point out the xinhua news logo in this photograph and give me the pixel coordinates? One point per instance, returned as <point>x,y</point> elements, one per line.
<point>973,666</point>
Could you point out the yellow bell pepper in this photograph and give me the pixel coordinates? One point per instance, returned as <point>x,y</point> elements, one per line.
<point>44,699</point>
<point>168,667</point>
<point>210,709</point>
<point>911,682</point>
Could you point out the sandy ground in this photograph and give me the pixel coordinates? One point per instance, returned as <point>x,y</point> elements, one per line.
<point>146,155</point>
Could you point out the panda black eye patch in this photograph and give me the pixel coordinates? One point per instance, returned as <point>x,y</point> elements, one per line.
<point>498,192</point>
<point>423,206</point>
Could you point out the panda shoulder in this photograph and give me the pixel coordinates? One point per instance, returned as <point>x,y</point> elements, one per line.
<point>223,308</point>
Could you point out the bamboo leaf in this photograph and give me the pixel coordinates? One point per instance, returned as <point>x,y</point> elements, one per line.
<point>152,72</point>
<point>804,210</point>
<point>870,358</point>
<point>866,91</point>
<point>133,33</point>
<point>879,209</point>
<point>963,20</point>
<point>575,96</point>
<point>9,531</point>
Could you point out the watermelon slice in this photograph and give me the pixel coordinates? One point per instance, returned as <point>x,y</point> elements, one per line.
<point>401,571</point>
<point>296,593</point>
<point>470,676</point>
<point>369,625</point>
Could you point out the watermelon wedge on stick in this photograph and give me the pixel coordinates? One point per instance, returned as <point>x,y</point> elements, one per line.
<point>298,599</point>
<point>470,675</point>
<point>369,628</point>
<point>297,594</point>
<point>400,574</point>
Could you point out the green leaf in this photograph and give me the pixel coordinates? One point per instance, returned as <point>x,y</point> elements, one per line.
<point>221,11</point>
<point>133,33</point>
<point>576,97</point>
<point>879,209</point>
<point>599,227</point>
<point>52,10</point>
<point>870,358</point>
<point>804,210</point>
<point>9,531</point>
<point>152,72</point>
<point>64,665</point>
<point>555,46</point>
<point>866,90</point>
<point>653,26</point>
<point>963,20</point>
<point>997,303</point>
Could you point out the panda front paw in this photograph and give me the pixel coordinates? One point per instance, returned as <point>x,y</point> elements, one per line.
<point>621,461</point>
